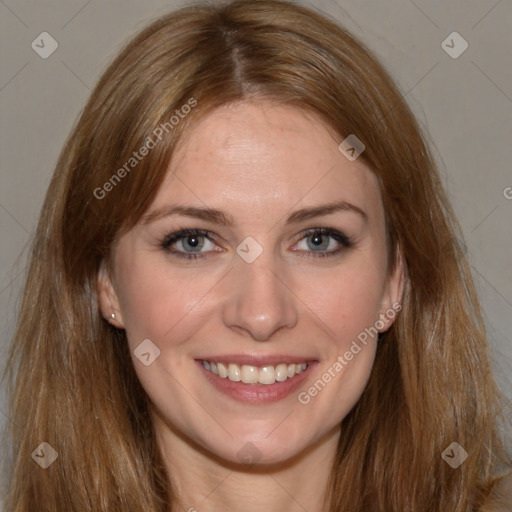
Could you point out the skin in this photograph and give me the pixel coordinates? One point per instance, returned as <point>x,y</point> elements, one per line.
<point>257,162</point>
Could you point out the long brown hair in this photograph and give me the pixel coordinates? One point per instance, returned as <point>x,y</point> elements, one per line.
<point>73,383</point>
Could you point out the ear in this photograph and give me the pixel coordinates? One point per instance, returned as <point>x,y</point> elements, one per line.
<point>392,296</point>
<point>107,297</point>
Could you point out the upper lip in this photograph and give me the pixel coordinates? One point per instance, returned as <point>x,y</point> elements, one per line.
<point>257,360</point>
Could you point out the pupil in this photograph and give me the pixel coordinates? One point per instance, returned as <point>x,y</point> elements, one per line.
<point>193,241</point>
<point>318,241</point>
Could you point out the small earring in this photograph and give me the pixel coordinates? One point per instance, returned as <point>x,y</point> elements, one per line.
<point>112,316</point>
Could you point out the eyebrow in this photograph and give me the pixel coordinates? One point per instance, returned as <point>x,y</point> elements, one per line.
<point>219,217</point>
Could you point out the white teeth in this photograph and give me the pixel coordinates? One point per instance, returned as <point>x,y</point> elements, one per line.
<point>250,374</point>
<point>254,374</point>
<point>281,372</point>
<point>300,368</point>
<point>223,371</point>
<point>267,375</point>
<point>234,373</point>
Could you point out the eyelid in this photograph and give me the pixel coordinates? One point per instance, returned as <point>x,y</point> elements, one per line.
<point>332,232</point>
<point>345,242</point>
<point>180,234</point>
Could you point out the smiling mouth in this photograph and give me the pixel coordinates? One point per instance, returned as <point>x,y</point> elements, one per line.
<point>246,374</point>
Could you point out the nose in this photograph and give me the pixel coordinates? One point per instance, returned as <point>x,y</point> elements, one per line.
<point>259,301</point>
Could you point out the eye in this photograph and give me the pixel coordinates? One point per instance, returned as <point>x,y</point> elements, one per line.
<point>189,243</point>
<point>197,243</point>
<point>323,242</point>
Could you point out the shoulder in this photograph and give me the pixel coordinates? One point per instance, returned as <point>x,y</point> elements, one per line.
<point>500,500</point>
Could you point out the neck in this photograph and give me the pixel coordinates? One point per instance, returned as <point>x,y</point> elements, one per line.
<point>203,482</point>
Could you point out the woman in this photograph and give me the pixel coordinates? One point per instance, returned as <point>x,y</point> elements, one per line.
<point>246,289</point>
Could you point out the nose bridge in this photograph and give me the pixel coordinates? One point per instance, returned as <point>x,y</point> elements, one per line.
<point>259,301</point>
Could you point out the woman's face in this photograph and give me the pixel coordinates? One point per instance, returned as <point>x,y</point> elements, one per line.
<point>289,268</point>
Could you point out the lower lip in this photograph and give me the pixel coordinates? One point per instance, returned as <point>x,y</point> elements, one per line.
<point>257,393</point>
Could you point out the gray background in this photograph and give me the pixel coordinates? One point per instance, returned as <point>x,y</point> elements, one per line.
<point>464,103</point>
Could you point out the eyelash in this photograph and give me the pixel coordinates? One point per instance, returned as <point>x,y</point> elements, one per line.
<point>172,238</point>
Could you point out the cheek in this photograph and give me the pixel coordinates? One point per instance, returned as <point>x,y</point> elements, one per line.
<point>349,301</point>
<point>156,301</point>
<point>348,308</point>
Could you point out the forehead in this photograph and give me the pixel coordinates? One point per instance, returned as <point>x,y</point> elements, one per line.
<point>264,152</point>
